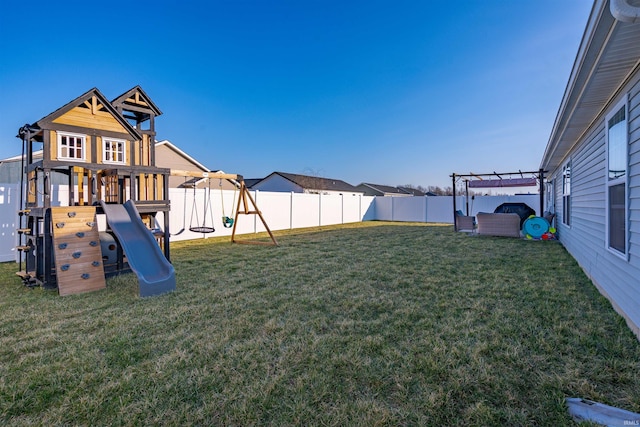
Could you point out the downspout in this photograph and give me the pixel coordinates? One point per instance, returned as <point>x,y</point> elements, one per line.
<point>624,12</point>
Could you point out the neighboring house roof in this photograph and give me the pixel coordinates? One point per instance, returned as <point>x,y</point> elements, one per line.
<point>413,191</point>
<point>36,155</point>
<point>382,190</point>
<point>249,182</point>
<point>608,53</point>
<point>316,183</point>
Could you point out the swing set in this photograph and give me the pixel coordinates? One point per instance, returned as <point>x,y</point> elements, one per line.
<point>245,205</point>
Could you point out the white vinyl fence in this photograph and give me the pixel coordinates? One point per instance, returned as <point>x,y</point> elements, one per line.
<point>440,208</point>
<point>284,211</point>
<point>9,206</point>
<point>281,211</point>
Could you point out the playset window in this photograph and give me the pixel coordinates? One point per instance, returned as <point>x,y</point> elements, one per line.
<point>71,146</point>
<point>113,150</point>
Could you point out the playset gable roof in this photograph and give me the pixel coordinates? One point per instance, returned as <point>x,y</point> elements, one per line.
<point>135,98</point>
<point>94,99</point>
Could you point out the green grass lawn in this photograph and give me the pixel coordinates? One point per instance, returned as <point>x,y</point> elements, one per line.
<point>365,324</point>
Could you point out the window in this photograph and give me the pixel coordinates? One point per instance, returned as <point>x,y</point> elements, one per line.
<point>617,160</point>
<point>550,193</point>
<point>71,146</point>
<point>566,193</point>
<point>113,150</point>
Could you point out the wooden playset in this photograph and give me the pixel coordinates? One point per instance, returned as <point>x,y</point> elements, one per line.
<point>103,153</point>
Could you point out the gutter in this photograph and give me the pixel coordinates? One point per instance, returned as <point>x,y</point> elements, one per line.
<point>624,12</point>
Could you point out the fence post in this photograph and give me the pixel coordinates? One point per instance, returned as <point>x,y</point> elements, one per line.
<point>291,212</point>
<point>320,209</point>
<point>426,208</point>
<point>393,211</point>
<point>374,212</point>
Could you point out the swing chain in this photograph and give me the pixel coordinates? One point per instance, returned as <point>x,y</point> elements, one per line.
<point>227,222</point>
<point>207,204</point>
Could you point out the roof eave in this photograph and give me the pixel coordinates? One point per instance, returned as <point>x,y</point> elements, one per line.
<point>599,73</point>
<point>580,64</point>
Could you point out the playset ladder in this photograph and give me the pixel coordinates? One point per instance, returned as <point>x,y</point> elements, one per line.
<point>77,250</point>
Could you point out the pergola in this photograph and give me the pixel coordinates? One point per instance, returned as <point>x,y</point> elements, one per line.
<point>499,180</point>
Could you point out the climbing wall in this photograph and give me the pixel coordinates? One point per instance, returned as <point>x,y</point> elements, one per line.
<point>77,250</point>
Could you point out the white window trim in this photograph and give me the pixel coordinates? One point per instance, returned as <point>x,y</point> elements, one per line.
<point>563,194</point>
<point>550,195</point>
<point>623,180</point>
<point>73,135</point>
<point>104,151</point>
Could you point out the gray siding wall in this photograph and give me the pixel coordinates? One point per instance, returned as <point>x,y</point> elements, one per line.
<point>10,172</point>
<point>634,179</point>
<point>585,239</point>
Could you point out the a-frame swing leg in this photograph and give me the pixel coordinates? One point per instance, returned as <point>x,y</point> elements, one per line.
<point>242,200</point>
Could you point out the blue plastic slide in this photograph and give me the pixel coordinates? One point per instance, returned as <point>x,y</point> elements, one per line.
<point>155,274</point>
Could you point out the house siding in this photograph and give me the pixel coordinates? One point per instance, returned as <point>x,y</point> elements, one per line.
<point>617,278</point>
<point>634,179</point>
<point>587,198</point>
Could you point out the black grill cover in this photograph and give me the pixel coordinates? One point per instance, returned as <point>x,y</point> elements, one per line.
<point>522,209</point>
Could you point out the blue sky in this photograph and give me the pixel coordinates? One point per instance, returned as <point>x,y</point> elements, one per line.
<point>389,92</point>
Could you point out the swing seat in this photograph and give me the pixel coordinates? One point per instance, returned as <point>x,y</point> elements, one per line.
<point>227,222</point>
<point>202,229</point>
